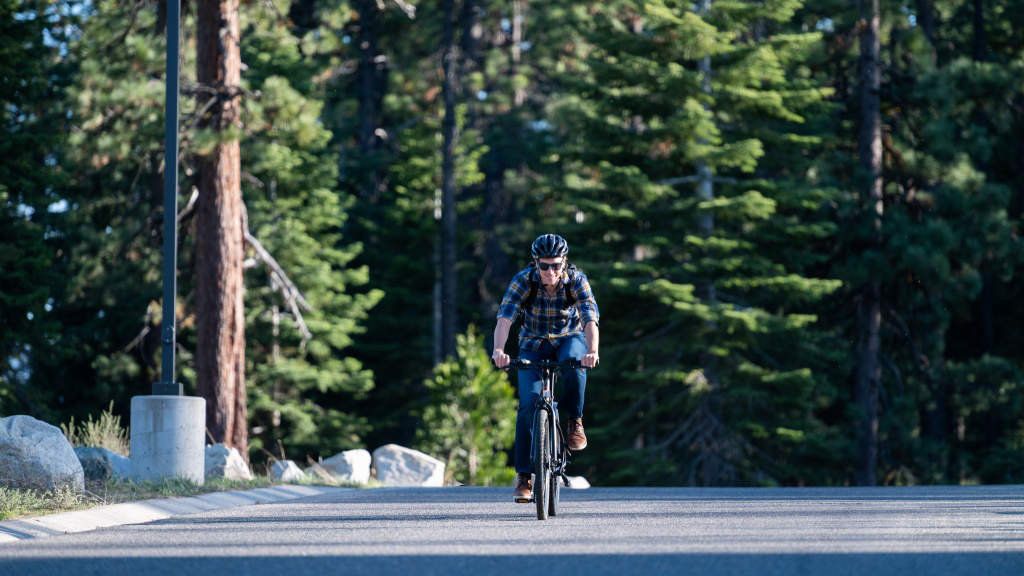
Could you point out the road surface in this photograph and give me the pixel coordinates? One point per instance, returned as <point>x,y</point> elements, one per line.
<point>935,531</point>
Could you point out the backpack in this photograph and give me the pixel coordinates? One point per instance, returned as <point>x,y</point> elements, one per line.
<point>512,343</point>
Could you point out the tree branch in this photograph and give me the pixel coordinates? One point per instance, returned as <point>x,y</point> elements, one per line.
<point>189,206</point>
<point>695,178</point>
<point>409,9</point>
<point>280,281</point>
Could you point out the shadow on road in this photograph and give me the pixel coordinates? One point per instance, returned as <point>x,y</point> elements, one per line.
<point>465,494</point>
<point>993,564</point>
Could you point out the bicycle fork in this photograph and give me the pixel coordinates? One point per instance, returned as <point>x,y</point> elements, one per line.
<point>560,456</point>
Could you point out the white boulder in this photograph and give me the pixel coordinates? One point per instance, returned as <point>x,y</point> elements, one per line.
<point>578,482</point>
<point>400,466</point>
<point>102,464</point>
<point>34,454</point>
<point>285,471</point>
<point>349,466</point>
<point>225,462</point>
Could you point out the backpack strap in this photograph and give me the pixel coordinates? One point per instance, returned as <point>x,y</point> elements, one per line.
<point>527,304</point>
<point>570,297</point>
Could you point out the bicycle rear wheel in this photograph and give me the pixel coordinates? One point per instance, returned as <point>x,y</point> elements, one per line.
<point>554,492</point>
<point>555,487</point>
<point>541,463</point>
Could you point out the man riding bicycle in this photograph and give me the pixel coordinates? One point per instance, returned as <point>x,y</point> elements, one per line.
<point>560,321</point>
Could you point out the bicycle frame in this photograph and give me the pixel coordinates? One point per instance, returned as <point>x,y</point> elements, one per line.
<point>551,477</point>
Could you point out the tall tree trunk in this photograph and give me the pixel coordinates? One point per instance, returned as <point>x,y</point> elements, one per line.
<point>448,215</point>
<point>987,300</point>
<point>372,77</point>
<point>979,30</point>
<point>487,247</point>
<point>470,40</point>
<point>706,193</point>
<point>498,209</point>
<point>496,212</point>
<point>518,20</point>
<point>926,20</point>
<point>869,315</point>
<point>220,346</point>
<point>712,465</point>
<point>705,182</point>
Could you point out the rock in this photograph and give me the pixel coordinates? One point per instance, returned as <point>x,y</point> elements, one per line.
<point>102,464</point>
<point>578,482</point>
<point>285,471</point>
<point>399,466</point>
<point>349,466</point>
<point>34,454</point>
<point>225,462</point>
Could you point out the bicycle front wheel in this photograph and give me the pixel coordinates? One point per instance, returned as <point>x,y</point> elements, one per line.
<point>541,463</point>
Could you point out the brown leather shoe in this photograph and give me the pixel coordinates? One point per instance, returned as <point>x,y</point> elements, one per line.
<point>577,439</point>
<point>524,487</point>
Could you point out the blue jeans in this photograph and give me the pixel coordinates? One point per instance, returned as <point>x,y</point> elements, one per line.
<point>574,383</point>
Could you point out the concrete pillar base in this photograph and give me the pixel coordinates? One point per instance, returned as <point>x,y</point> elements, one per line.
<point>168,438</point>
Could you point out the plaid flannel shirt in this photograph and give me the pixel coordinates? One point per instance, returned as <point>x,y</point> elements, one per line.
<point>550,319</point>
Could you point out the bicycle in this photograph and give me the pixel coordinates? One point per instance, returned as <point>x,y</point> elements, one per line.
<point>549,452</point>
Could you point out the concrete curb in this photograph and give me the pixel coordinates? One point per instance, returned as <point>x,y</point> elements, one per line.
<point>149,511</point>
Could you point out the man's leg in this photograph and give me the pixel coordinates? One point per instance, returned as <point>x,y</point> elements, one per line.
<point>575,384</point>
<point>529,390</point>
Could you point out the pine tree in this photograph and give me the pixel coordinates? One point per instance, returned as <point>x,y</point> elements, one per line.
<point>305,379</point>
<point>386,117</point>
<point>952,194</point>
<point>706,311</point>
<point>300,383</point>
<point>30,138</point>
<point>108,240</point>
<point>945,225</point>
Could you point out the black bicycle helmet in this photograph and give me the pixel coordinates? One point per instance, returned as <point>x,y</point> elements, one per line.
<point>549,246</point>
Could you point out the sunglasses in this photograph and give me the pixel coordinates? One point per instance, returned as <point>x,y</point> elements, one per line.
<point>545,266</point>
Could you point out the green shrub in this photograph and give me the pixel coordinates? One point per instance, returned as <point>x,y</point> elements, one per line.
<point>470,420</point>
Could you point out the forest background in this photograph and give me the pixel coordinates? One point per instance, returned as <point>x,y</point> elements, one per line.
<point>800,220</point>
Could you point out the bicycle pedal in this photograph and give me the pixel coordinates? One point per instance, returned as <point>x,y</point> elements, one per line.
<point>523,500</point>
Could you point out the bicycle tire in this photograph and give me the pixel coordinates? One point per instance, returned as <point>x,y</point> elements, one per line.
<point>541,467</point>
<point>554,492</point>
<point>555,488</point>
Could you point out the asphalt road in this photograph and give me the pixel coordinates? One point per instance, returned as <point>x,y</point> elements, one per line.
<point>935,531</point>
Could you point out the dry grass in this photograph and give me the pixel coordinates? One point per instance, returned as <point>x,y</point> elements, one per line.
<point>106,432</point>
<point>25,503</point>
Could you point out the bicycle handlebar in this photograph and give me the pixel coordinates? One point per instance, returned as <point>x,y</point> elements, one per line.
<point>523,363</point>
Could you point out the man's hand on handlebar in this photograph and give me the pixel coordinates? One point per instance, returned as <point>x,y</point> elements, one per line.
<point>503,361</point>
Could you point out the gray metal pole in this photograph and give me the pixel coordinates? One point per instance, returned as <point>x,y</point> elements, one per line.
<point>167,384</point>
